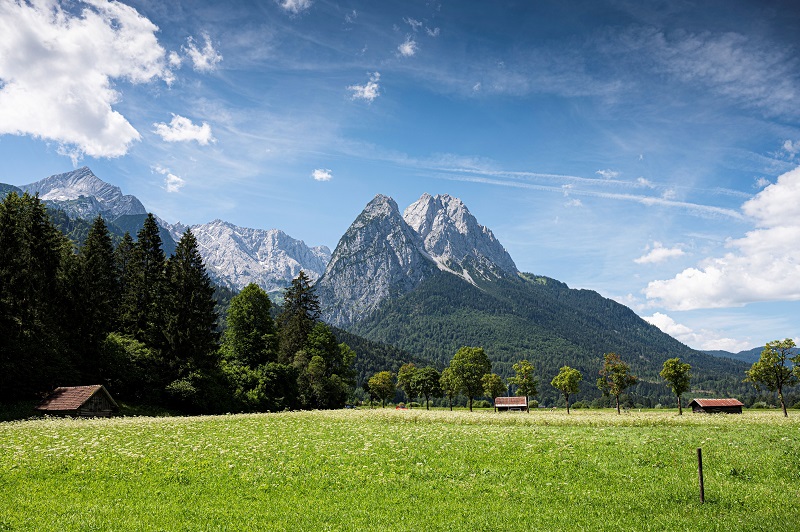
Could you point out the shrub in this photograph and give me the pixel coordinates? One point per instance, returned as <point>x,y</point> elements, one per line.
<point>482,404</point>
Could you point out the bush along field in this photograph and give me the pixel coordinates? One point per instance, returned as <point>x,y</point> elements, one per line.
<point>392,469</point>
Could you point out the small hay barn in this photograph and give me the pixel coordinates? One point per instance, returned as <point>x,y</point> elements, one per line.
<point>510,404</point>
<point>79,401</point>
<point>716,406</point>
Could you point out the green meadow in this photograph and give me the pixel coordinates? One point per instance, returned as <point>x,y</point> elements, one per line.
<point>402,470</point>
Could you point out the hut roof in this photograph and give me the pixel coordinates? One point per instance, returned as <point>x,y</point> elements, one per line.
<point>716,402</point>
<point>67,398</point>
<point>511,401</point>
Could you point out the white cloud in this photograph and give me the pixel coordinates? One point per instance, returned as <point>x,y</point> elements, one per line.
<point>476,87</point>
<point>574,203</point>
<point>408,48</point>
<point>658,253</point>
<point>415,24</point>
<point>172,183</point>
<point>761,182</point>
<point>57,67</point>
<point>432,32</point>
<point>791,148</point>
<point>294,6</point>
<point>322,174</point>
<point>351,17</point>
<point>645,183</point>
<point>369,91</point>
<point>607,174</point>
<point>205,59</point>
<point>762,266</point>
<point>181,129</point>
<point>704,339</point>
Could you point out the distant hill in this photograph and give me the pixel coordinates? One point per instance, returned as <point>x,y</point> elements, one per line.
<point>750,356</point>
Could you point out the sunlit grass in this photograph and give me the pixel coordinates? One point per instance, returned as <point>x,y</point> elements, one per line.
<point>385,469</point>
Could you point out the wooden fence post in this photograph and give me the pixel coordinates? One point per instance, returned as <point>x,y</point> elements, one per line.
<point>700,474</point>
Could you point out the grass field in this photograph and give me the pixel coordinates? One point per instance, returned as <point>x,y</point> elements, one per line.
<point>402,470</point>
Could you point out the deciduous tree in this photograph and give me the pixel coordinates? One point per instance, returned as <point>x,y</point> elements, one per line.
<point>381,386</point>
<point>771,370</point>
<point>615,377</point>
<point>527,384</point>
<point>426,382</point>
<point>449,386</point>
<point>567,382</point>
<point>405,380</point>
<point>493,386</point>
<point>677,374</point>
<point>469,365</point>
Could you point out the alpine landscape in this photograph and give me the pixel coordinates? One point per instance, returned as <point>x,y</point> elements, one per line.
<point>341,265</point>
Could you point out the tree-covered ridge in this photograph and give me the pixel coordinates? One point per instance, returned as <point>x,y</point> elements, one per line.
<point>542,320</point>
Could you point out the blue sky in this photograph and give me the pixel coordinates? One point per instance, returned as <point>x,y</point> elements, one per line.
<point>646,150</point>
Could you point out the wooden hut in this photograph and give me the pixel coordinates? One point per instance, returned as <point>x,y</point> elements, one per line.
<point>716,406</point>
<point>79,401</point>
<point>510,404</point>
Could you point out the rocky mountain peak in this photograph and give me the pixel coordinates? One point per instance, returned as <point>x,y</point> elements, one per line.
<point>82,194</point>
<point>453,237</point>
<point>379,256</point>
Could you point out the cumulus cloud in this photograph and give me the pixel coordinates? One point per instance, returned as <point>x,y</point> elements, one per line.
<point>704,339</point>
<point>57,67</point>
<point>294,6</point>
<point>204,59</point>
<point>181,129</point>
<point>432,32</point>
<point>658,253</point>
<point>415,24</point>
<point>322,174</point>
<point>761,182</point>
<point>172,183</point>
<point>408,48</point>
<point>761,266</point>
<point>607,174</point>
<point>790,149</point>
<point>369,91</point>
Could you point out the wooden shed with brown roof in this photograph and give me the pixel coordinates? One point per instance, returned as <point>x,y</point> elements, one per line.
<point>716,406</point>
<point>79,401</point>
<point>513,404</point>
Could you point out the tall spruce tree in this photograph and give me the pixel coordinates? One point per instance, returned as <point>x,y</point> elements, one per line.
<point>300,314</point>
<point>142,305</point>
<point>97,299</point>
<point>189,326</point>
<point>33,355</point>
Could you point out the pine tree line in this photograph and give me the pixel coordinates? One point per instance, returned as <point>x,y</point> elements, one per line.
<point>146,327</point>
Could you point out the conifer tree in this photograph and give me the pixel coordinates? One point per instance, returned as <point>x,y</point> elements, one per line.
<point>300,314</point>
<point>189,326</point>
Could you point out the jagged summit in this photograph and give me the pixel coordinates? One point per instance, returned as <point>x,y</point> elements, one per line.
<point>384,254</point>
<point>455,239</point>
<point>82,194</point>
<point>379,256</point>
<point>238,256</point>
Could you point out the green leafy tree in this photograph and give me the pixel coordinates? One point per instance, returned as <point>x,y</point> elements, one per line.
<point>426,383</point>
<point>405,380</point>
<point>189,327</point>
<point>469,365</point>
<point>493,386</point>
<point>615,377</point>
<point>678,376</point>
<point>772,371</point>
<point>567,382</point>
<point>525,381</point>
<point>325,367</point>
<point>449,386</point>
<point>381,386</point>
<point>250,338</point>
<point>300,314</point>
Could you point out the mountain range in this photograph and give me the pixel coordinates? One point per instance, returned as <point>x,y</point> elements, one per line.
<point>426,281</point>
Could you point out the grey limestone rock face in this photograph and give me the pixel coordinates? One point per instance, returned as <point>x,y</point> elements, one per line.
<point>384,254</point>
<point>81,194</point>
<point>237,256</point>
<point>379,256</point>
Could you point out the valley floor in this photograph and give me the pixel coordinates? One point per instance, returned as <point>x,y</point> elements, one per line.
<point>387,469</point>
